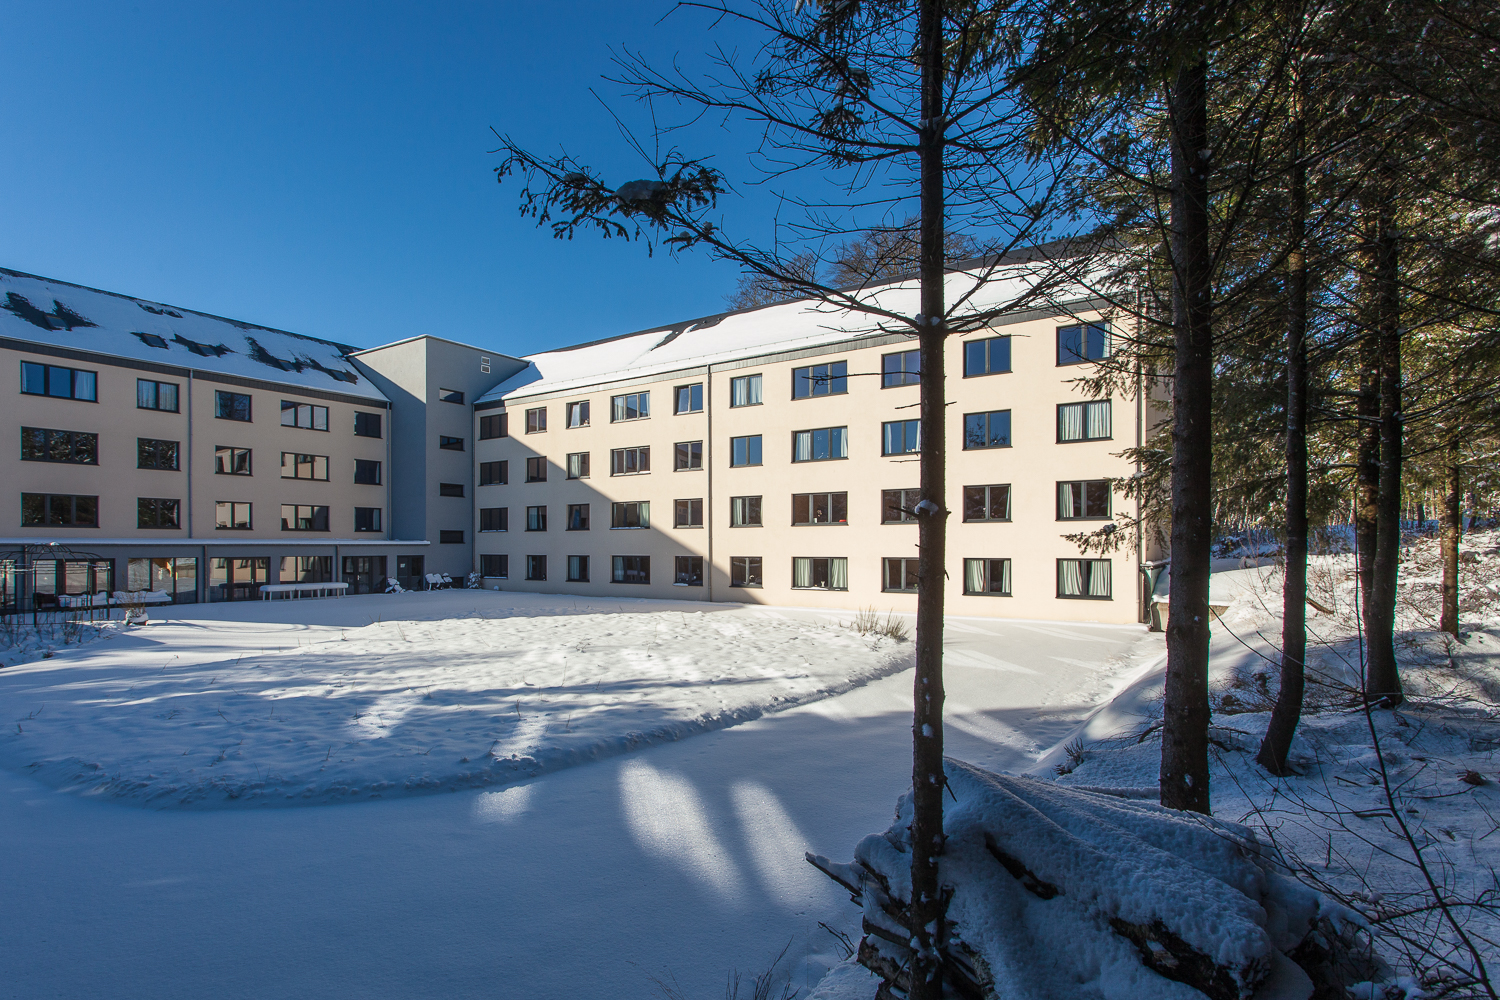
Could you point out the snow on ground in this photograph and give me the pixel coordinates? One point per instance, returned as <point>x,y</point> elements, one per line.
<point>679,862</point>
<point>479,690</point>
<point>1438,752</point>
<point>22,642</point>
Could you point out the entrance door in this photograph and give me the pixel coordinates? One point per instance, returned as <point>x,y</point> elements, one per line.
<point>365,574</point>
<point>410,571</point>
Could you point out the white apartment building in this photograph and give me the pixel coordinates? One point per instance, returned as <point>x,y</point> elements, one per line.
<point>769,456</point>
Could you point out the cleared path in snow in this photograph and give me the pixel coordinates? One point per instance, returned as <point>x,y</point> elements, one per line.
<point>681,861</point>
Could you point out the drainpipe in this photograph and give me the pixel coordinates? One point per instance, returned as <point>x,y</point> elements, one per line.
<point>189,456</point>
<point>708,501</point>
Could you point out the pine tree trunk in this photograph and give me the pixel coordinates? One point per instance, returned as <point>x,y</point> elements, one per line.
<point>1453,529</point>
<point>1288,710</point>
<point>1367,459</point>
<point>1382,681</point>
<point>927,901</point>
<point>1184,748</point>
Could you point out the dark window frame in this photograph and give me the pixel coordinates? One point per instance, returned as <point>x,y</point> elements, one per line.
<point>373,473</point>
<point>296,409</point>
<point>49,503</point>
<point>687,571</point>
<point>619,463</point>
<point>234,454</point>
<point>694,451</point>
<point>621,403</point>
<point>451,490</point>
<point>617,513</point>
<point>831,378</point>
<point>843,438</point>
<point>536,568</point>
<point>582,465</point>
<point>536,420</point>
<point>760,387</point>
<point>536,517</point>
<point>447,442</point>
<point>832,505</point>
<point>234,511</point>
<point>677,408</point>
<point>897,376</point>
<point>1090,432</point>
<point>678,510</point>
<point>231,411</point>
<point>576,414</point>
<point>499,469</point>
<point>759,521</point>
<point>987,503</point>
<point>156,386</point>
<point>499,562</point>
<point>362,422</point>
<point>494,519</point>
<point>43,441</point>
<point>1007,575</point>
<point>451,396</point>
<point>987,347</point>
<point>906,572</point>
<point>313,518</point>
<point>536,469</point>
<point>1086,579</point>
<point>1084,498</point>
<point>905,502</point>
<point>47,378</point>
<point>989,433</point>
<point>911,437</point>
<point>578,569</point>
<point>150,449</point>
<point>367,519</point>
<point>578,517</point>
<point>493,425</point>
<point>734,451</point>
<point>621,570</point>
<point>740,572</point>
<point>1085,338</point>
<point>297,465</point>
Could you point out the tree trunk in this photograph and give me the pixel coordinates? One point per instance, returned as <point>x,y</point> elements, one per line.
<point>1453,529</point>
<point>1184,748</point>
<point>928,904</point>
<point>1288,710</point>
<point>1382,681</point>
<point>1367,459</point>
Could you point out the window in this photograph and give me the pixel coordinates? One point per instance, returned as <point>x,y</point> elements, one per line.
<point>689,399</point>
<point>494,519</point>
<point>366,472</point>
<point>232,405</point>
<point>304,415</point>
<point>176,576</point>
<point>1082,342</point>
<point>536,567</point>
<point>1085,501</point>
<point>366,425</point>
<point>451,537</point>
<point>450,396</point>
<point>820,508</point>
<point>578,569</point>
<point>900,369</point>
<point>153,454</point>
<point>820,574</point>
<point>231,461</point>
<point>689,514</point>
<point>744,571</point>
<point>820,445</point>
<point>536,470</point>
<point>744,451</point>
<point>450,443</point>
<point>631,406</point>
<point>43,509</point>
<point>636,514</point>
<point>303,517</point>
<point>1083,421</point>
<point>295,465</point>
<point>987,430</point>
<point>240,579</point>
<point>496,567</point>
<point>744,391</point>
<point>578,465</point>
<point>493,426</point>
<point>988,576</point>
<point>987,503</point>
<point>64,383</point>
<point>578,517</point>
<point>689,456</point>
<point>629,461</point>
<point>450,489</point>
<point>367,519</point>
<point>900,437</point>
<point>306,569</point>
<point>578,413</point>
<point>989,356</point>
<point>631,569</point>
<point>689,571</point>
<point>484,364</point>
<point>1085,579</point>
<point>536,518</point>
<point>410,570</point>
<point>151,395</point>
<point>494,473</point>
<point>898,576</point>
<point>820,380</point>
<point>744,512</point>
<point>536,420</point>
<point>231,514</point>
<point>899,506</point>
<point>40,444</point>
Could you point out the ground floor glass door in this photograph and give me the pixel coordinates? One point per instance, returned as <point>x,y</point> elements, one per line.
<point>365,574</point>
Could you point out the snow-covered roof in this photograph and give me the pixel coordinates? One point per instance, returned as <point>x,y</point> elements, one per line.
<point>60,314</point>
<point>787,326</point>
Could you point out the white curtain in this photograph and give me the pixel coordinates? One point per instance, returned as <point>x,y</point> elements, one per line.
<point>1098,421</point>
<point>893,435</point>
<point>801,572</point>
<point>1070,577</point>
<point>803,447</point>
<point>1004,587</point>
<point>1070,422</point>
<point>1066,506</point>
<point>1099,577</point>
<point>974,576</point>
<point>838,574</point>
<point>645,508</point>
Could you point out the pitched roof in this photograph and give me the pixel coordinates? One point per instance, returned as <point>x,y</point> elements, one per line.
<point>61,314</point>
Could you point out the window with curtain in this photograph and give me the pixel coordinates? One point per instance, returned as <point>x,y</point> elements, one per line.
<point>899,506</point>
<point>813,573</point>
<point>900,437</point>
<point>987,576</point>
<point>578,569</point>
<point>900,369</point>
<point>630,406</point>
<point>636,514</point>
<point>578,465</point>
<point>1083,501</point>
<point>536,518</point>
<point>536,567</point>
<point>831,379</point>
<point>578,517</point>
<point>820,508</point>
<point>822,444</point>
<point>1084,421</point>
<point>631,569</point>
<point>987,430</point>
<point>744,391</point>
<point>578,413</point>
<point>744,512</point>
<point>987,503</point>
<point>630,461</point>
<point>1084,579</point>
<point>989,356</point>
<point>899,576</point>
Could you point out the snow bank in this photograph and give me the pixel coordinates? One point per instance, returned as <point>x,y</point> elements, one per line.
<point>403,707</point>
<point>22,642</point>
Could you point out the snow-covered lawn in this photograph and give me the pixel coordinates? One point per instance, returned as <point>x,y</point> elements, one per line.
<point>298,702</point>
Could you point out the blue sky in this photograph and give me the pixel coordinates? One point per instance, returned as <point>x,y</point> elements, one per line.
<point>325,168</point>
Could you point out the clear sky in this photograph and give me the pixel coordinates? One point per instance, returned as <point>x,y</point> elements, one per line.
<point>325,168</point>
